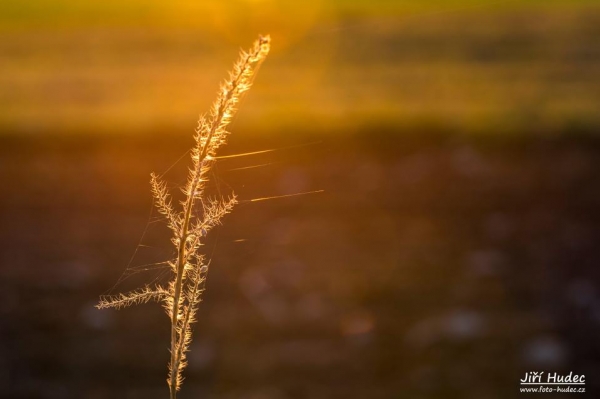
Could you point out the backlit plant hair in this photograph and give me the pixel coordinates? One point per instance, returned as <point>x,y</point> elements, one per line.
<point>196,216</point>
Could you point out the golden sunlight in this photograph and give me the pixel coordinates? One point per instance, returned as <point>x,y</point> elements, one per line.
<point>238,19</point>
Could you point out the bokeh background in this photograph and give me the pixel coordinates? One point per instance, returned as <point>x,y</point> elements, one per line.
<point>455,245</point>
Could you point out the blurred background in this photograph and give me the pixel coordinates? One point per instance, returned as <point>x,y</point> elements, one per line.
<point>455,245</point>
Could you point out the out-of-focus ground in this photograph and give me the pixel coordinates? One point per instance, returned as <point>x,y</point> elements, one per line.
<point>430,268</point>
<point>454,248</point>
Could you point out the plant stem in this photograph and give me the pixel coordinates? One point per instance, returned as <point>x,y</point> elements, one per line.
<point>226,105</point>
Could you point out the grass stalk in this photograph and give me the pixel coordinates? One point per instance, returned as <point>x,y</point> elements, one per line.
<point>199,214</point>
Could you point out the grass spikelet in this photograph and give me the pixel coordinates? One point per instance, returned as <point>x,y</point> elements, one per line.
<point>139,296</point>
<point>197,215</point>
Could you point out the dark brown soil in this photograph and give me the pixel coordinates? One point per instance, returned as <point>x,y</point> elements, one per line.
<point>430,267</point>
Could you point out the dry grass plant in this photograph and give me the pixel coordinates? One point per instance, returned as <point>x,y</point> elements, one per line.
<point>195,217</point>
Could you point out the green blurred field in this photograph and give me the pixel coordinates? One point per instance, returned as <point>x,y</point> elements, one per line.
<point>523,67</point>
